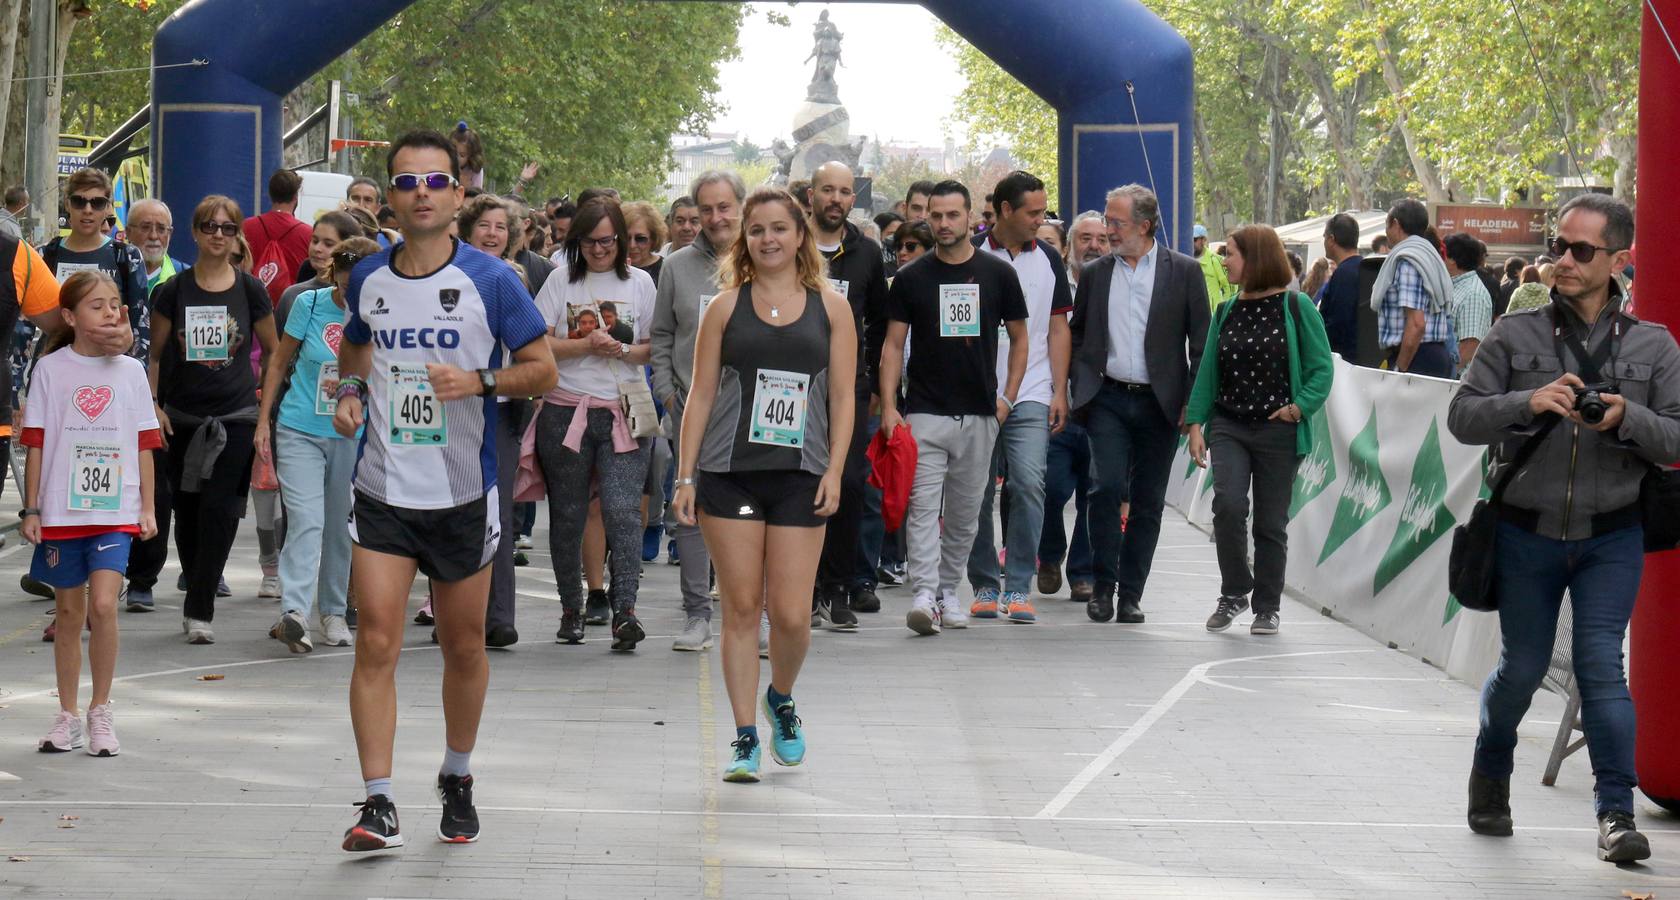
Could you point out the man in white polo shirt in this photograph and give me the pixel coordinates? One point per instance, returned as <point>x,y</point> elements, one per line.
<point>1041,406</point>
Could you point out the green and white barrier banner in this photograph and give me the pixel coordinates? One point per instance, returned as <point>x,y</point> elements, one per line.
<point>1371,520</point>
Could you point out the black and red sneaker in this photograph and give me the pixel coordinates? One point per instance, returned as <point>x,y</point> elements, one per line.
<point>459,824</point>
<point>627,630</point>
<point>377,829</point>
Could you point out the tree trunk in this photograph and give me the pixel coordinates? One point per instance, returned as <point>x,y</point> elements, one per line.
<point>11,22</point>
<point>1421,166</point>
<point>1220,212</point>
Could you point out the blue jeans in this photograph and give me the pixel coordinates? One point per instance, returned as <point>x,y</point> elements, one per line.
<point>1021,448</point>
<point>1067,474</point>
<point>1132,449</point>
<point>315,560</point>
<point>1602,577</point>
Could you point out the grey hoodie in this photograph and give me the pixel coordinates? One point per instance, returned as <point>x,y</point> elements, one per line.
<point>688,276</point>
<point>1577,473</point>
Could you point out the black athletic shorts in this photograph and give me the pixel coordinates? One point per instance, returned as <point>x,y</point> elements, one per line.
<point>784,497</point>
<point>448,544</point>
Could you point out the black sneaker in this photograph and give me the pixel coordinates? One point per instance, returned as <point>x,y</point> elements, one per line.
<point>459,824</point>
<point>350,616</point>
<point>1490,806</point>
<point>1619,841</point>
<point>597,611</point>
<point>1226,613</point>
<point>571,628</point>
<point>498,636</point>
<point>833,609</point>
<point>865,600</point>
<point>627,631</point>
<point>886,577</point>
<point>1264,623</point>
<point>1128,613</point>
<point>36,588</point>
<point>377,828</point>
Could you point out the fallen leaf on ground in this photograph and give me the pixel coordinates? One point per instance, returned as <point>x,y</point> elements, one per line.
<point>1639,895</point>
<point>17,859</point>
<point>67,824</point>
<point>69,818</point>
<point>211,677</point>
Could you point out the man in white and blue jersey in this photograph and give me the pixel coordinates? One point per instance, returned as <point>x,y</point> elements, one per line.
<point>421,363</point>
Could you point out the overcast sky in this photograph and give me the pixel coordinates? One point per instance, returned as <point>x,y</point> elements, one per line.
<point>884,43</point>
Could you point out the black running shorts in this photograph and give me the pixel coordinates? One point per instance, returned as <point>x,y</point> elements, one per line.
<point>448,544</point>
<point>786,498</point>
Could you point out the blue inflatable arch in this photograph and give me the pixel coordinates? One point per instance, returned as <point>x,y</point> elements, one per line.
<point>1119,78</point>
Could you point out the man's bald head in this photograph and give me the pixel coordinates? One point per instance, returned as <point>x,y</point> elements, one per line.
<point>832,197</point>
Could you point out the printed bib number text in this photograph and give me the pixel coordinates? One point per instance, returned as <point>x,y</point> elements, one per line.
<point>95,478</point>
<point>207,333</point>
<point>959,310</point>
<point>779,408</point>
<point>416,413</point>
<point>326,384</point>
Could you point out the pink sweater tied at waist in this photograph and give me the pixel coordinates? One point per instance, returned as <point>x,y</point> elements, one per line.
<point>529,485</point>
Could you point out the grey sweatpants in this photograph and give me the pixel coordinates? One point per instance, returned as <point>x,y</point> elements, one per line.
<point>694,559</point>
<point>953,461</point>
<point>567,476</point>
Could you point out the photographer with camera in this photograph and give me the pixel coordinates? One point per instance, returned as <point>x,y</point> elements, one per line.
<point>1595,395</point>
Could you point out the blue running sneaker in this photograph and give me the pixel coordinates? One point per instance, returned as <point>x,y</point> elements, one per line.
<point>137,600</point>
<point>985,604</point>
<point>743,766</point>
<point>787,739</point>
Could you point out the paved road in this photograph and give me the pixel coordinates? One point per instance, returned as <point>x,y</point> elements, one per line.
<point>1065,759</point>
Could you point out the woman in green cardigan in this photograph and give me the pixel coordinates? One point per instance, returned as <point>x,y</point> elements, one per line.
<point>1266,372</point>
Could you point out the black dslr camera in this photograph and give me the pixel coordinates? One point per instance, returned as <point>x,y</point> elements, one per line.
<point>1589,401</point>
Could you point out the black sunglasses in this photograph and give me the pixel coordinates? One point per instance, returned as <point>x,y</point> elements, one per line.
<point>434,181</point>
<point>228,229</point>
<point>111,221</point>
<point>911,246</point>
<point>1581,250</point>
<point>99,204</point>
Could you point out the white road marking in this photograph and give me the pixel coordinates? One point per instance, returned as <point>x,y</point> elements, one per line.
<point>1370,708</point>
<point>1155,713</point>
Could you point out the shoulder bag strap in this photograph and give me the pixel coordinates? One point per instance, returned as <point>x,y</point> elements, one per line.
<point>1524,453</point>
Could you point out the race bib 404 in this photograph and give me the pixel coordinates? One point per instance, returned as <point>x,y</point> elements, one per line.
<point>779,408</point>
<point>959,310</point>
<point>416,412</point>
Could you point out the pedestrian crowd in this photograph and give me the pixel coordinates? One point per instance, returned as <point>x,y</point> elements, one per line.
<point>729,382</point>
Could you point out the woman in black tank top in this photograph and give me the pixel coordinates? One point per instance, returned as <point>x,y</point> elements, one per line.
<point>764,440</point>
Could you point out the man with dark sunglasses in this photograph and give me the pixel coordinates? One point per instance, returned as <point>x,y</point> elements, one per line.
<point>87,194</point>
<point>1570,518</point>
<point>421,363</point>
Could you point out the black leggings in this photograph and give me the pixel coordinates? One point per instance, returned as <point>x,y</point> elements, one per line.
<point>207,520</point>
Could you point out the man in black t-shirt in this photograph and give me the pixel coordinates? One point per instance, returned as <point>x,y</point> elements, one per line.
<point>951,303</point>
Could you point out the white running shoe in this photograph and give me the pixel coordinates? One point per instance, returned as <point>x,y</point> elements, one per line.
<point>764,634</point>
<point>270,589</point>
<point>924,615</point>
<point>198,631</point>
<point>66,734</point>
<point>523,542</point>
<point>951,612</point>
<point>335,632</point>
<point>291,631</point>
<point>696,635</point>
<point>102,734</point>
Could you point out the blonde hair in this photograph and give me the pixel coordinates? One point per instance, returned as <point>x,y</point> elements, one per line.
<point>736,268</point>
<point>643,212</point>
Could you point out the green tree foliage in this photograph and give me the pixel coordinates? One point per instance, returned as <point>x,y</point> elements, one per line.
<point>995,109</point>
<point>590,89</point>
<point>1357,102</point>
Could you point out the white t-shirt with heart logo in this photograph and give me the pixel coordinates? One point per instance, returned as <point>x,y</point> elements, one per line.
<point>91,417</point>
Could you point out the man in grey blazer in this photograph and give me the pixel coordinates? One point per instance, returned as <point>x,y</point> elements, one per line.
<point>1140,318</point>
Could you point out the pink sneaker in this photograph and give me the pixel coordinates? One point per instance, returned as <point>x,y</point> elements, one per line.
<point>102,734</point>
<point>66,734</point>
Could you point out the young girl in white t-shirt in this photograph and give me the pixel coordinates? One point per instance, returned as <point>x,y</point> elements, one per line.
<point>87,494</point>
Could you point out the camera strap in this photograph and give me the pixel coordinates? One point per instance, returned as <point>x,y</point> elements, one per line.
<point>1592,364</point>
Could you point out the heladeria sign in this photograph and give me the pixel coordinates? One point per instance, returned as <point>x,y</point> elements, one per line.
<point>1504,226</point>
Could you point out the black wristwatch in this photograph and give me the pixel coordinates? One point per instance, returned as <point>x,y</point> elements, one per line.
<point>28,511</point>
<point>486,382</point>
